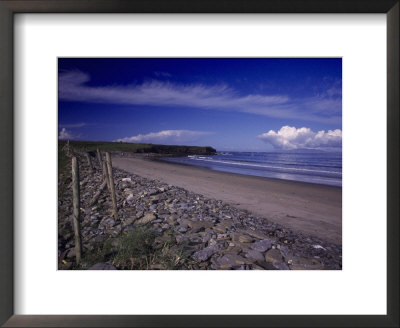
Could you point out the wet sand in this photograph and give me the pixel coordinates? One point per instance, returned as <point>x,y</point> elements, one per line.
<point>307,208</point>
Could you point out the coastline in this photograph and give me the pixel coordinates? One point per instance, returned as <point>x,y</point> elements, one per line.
<point>161,226</point>
<point>306,208</point>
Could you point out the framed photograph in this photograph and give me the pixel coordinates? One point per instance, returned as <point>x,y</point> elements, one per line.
<point>199,164</point>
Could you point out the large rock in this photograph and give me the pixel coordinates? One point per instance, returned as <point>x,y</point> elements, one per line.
<point>266,265</point>
<point>226,223</point>
<point>240,237</point>
<point>280,265</point>
<point>146,219</point>
<point>254,255</point>
<point>245,239</point>
<point>71,253</point>
<point>157,267</point>
<point>219,229</point>
<point>262,245</point>
<point>273,255</point>
<point>256,234</point>
<point>102,266</point>
<point>180,238</point>
<point>231,260</point>
<point>139,214</point>
<point>305,264</point>
<point>171,220</point>
<point>196,226</point>
<point>223,236</point>
<point>129,221</point>
<point>65,265</point>
<point>152,192</point>
<point>243,246</point>
<point>155,199</point>
<point>206,253</point>
<point>165,238</point>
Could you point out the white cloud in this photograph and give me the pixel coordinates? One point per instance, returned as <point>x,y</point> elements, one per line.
<point>167,136</point>
<point>73,87</point>
<point>291,138</point>
<point>71,126</point>
<point>65,135</point>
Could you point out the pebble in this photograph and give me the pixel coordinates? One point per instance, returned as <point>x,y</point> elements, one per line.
<point>209,230</point>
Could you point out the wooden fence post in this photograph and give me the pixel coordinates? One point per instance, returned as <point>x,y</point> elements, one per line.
<point>76,209</point>
<point>106,176</point>
<point>112,187</point>
<point>89,163</point>
<point>99,159</point>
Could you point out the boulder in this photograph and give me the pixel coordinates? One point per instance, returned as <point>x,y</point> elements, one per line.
<point>254,255</point>
<point>245,239</point>
<point>102,266</point>
<point>219,229</point>
<point>146,219</point>
<point>199,225</point>
<point>305,264</point>
<point>129,221</point>
<point>256,234</point>
<point>230,260</point>
<point>206,253</point>
<point>262,245</point>
<point>273,255</point>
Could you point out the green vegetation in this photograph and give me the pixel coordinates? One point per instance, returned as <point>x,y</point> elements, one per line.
<point>139,148</point>
<point>136,250</point>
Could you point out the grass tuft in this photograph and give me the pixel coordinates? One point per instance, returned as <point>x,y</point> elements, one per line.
<point>135,249</point>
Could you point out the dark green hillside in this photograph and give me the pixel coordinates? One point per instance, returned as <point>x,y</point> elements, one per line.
<point>140,148</point>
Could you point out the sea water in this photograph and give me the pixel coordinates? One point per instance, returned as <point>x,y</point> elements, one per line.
<point>313,167</point>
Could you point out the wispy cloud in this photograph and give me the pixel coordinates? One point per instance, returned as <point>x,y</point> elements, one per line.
<point>291,138</point>
<point>66,135</point>
<point>167,136</point>
<point>323,108</point>
<point>72,126</point>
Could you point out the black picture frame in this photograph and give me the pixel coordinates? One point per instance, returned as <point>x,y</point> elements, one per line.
<point>10,7</point>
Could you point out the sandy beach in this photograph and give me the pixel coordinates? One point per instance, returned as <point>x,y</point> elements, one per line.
<point>307,208</point>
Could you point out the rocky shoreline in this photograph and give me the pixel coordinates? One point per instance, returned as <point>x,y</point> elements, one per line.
<point>189,230</point>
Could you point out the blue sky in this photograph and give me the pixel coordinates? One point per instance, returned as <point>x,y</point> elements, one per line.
<point>244,104</point>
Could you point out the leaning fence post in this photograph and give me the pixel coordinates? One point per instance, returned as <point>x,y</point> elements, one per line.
<point>89,163</point>
<point>112,187</point>
<point>97,194</point>
<point>76,208</point>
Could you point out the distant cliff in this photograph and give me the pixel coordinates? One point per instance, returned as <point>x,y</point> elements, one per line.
<point>178,150</point>
<point>141,148</point>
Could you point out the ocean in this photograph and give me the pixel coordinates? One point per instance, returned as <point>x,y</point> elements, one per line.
<point>313,167</point>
